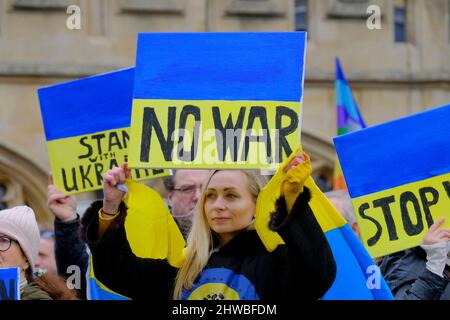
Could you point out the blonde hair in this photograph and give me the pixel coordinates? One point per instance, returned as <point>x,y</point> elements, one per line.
<point>200,239</point>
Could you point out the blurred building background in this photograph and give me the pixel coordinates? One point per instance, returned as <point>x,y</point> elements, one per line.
<point>394,71</point>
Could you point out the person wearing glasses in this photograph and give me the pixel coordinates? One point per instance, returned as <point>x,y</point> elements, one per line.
<point>19,247</point>
<point>183,191</point>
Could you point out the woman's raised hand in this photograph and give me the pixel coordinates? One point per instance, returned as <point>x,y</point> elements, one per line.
<point>112,195</point>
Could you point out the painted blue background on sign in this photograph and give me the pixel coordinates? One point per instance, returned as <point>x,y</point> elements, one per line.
<point>220,66</point>
<point>9,283</point>
<point>395,153</point>
<point>94,104</point>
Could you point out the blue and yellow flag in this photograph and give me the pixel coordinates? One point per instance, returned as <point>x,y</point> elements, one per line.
<point>230,100</point>
<point>86,125</point>
<point>357,276</point>
<point>400,182</point>
<point>151,232</point>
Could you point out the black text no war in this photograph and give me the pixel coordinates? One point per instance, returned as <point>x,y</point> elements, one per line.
<point>152,128</point>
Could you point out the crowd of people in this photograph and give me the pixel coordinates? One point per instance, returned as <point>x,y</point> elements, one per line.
<point>215,212</point>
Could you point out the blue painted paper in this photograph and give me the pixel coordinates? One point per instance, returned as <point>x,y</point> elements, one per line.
<point>395,153</point>
<point>9,284</point>
<point>81,107</point>
<point>220,66</point>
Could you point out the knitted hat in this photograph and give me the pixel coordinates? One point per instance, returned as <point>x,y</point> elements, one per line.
<point>19,223</point>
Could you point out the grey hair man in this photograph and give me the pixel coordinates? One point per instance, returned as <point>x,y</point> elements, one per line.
<point>183,191</point>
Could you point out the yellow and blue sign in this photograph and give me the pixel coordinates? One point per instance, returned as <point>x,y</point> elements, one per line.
<point>216,100</point>
<point>9,284</point>
<point>398,176</point>
<point>86,125</point>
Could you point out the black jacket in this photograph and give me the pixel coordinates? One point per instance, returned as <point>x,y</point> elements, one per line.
<point>302,268</point>
<point>408,278</point>
<point>70,250</point>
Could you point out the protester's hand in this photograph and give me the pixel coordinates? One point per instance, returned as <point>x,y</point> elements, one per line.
<point>436,234</point>
<point>297,171</point>
<point>63,206</point>
<point>436,244</point>
<point>112,195</point>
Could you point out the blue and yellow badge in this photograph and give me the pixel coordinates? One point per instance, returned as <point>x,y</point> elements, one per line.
<point>398,176</point>
<point>221,284</point>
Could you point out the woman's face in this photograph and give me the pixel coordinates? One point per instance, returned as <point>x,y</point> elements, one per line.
<point>13,257</point>
<point>229,206</point>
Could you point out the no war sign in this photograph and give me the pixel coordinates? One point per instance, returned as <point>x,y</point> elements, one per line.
<point>398,176</point>
<point>216,100</point>
<point>9,284</point>
<point>86,125</point>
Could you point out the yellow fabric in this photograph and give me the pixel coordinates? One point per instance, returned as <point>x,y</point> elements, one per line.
<point>294,180</point>
<point>325,213</point>
<point>104,223</point>
<point>151,229</point>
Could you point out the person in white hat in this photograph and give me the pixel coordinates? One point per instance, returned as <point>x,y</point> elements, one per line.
<point>19,247</point>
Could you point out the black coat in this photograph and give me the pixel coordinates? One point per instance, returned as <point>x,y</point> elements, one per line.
<point>408,278</point>
<point>70,250</point>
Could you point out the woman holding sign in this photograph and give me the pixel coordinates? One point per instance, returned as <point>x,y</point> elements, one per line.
<point>225,258</point>
<point>19,247</point>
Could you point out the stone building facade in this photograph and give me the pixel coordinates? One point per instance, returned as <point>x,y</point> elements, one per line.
<point>399,69</point>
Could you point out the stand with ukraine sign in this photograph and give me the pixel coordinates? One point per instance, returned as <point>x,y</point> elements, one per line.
<point>86,125</point>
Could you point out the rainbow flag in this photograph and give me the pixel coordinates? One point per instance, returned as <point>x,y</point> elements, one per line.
<point>357,276</point>
<point>348,119</point>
